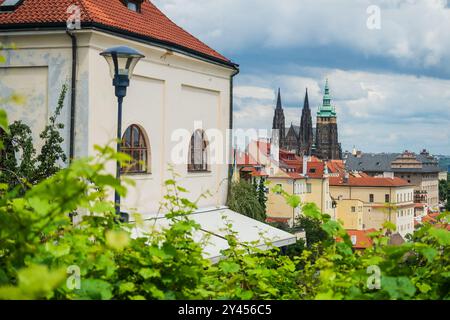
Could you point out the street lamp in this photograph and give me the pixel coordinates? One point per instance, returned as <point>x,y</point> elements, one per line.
<point>122,61</point>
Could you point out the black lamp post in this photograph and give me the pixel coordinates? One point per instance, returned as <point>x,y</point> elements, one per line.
<point>122,61</point>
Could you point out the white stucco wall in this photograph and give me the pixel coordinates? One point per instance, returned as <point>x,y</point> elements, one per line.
<point>169,91</point>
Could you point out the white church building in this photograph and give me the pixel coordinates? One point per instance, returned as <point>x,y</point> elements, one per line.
<point>181,85</point>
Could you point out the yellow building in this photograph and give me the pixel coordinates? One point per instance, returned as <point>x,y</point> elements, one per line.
<point>374,200</point>
<point>312,186</point>
<point>351,213</point>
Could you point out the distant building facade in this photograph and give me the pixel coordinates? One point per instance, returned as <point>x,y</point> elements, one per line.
<point>421,170</point>
<point>364,202</point>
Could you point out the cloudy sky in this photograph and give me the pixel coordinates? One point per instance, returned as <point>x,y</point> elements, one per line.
<point>388,63</point>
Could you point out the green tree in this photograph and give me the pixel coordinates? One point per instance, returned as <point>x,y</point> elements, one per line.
<point>262,197</point>
<point>19,164</point>
<point>312,228</point>
<point>244,199</point>
<point>443,190</point>
<point>448,198</point>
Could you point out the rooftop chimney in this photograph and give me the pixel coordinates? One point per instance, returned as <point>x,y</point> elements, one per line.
<point>325,170</point>
<point>346,177</point>
<point>275,146</point>
<point>305,166</point>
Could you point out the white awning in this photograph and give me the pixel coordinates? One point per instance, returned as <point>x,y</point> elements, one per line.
<point>213,228</point>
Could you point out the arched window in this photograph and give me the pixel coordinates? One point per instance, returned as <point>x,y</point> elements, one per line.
<point>135,144</point>
<point>198,152</point>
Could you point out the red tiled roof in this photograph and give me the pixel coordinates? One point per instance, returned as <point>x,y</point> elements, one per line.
<point>245,159</point>
<point>434,215</point>
<point>282,220</point>
<point>316,169</point>
<point>433,219</point>
<point>363,241</point>
<point>150,22</point>
<point>259,174</point>
<point>336,166</point>
<point>366,181</point>
<point>429,219</point>
<point>295,175</point>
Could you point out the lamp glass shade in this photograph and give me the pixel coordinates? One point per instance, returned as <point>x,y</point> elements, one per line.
<point>122,60</point>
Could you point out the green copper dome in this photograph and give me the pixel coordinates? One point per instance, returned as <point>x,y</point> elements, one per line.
<point>327,110</point>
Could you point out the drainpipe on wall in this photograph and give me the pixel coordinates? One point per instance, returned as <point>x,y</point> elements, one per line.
<point>390,204</point>
<point>321,200</point>
<point>230,165</point>
<point>293,209</point>
<point>73,94</point>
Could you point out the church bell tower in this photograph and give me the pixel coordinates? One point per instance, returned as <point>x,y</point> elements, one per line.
<point>327,140</point>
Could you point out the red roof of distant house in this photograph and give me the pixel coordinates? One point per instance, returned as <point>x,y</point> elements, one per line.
<point>282,220</point>
<point>245,159</point>
<point>316,169</point>
<point>433,219</point>
<point>366,181</point>
<point>429,219</point>
<point>363,241</point>
<point>336,166</point>
<point>150,23</point>
<point>295,175</point>
<point>260,174</point>
<point>289,160</point>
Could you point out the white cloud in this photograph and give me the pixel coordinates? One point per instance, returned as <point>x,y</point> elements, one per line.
<point>413,32</point>
<point>253,92</point>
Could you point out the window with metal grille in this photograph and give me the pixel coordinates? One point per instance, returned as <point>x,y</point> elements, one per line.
<point>134,144</point>
<point>198,152</point>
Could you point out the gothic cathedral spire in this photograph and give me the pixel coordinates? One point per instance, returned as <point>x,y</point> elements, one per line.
<point>279,106</point>
<point>279,121</point>
<point>306,128</point>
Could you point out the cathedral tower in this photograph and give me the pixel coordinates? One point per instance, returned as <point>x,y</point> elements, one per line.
<point>279,122</point>
<point>327,140</point>
<point>306,129</point>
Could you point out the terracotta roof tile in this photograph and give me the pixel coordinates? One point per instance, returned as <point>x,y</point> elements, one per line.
<point>295,175</point>
<point>366,181</point>
<point>150,22</point>
<point>259,174</point>
<point>281,220</point>
<point>245,159</point>
<point>363,241</point>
